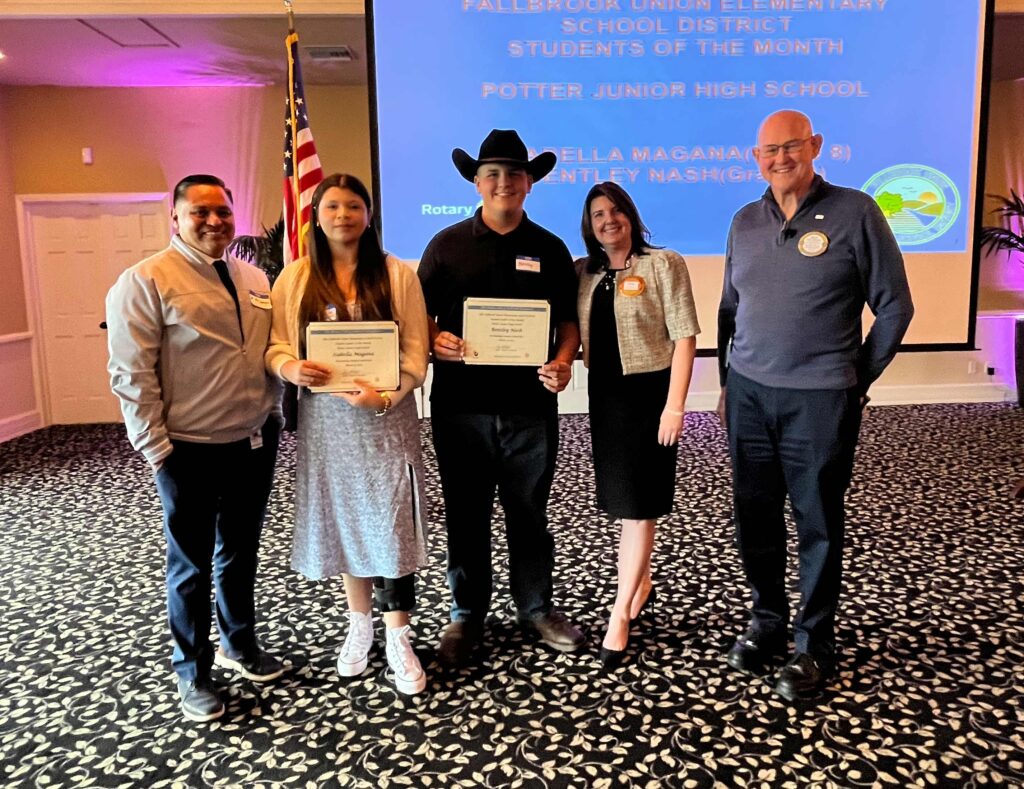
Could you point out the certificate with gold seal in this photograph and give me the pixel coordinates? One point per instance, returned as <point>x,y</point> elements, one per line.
<point>506,331</point>
<point>367,350</point>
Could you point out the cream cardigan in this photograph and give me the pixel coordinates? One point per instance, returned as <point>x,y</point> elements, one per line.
<point>406,304</point>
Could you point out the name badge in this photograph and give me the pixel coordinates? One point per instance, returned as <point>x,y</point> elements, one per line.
<point>260,300</point>
<point>632,286</point>
<point>812,244</point>
<point>256,439</point>
<point>528,264</point>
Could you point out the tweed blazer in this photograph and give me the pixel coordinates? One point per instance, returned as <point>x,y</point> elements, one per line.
<point>649,323</point>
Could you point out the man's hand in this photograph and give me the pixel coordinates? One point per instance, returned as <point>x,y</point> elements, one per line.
<point>720,408</point>
<point>302,372</point>
<point>156,465</point>
<point>448,347</point>
<point>555,376</point>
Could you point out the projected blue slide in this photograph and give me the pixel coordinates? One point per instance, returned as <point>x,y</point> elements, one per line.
<point>664,96</point>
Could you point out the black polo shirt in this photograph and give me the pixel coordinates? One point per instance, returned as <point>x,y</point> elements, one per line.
<point>469,259</point>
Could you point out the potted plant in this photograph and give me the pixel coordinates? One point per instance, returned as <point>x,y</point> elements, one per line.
<point>266,252</point>
<point>1004,237</point>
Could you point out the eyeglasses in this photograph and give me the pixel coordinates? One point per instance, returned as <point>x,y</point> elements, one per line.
<point>788,147</point>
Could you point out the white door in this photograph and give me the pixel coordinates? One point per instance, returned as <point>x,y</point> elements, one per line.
<point>78,250</point>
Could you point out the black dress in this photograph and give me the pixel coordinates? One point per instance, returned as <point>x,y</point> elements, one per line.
<point>635,474</point>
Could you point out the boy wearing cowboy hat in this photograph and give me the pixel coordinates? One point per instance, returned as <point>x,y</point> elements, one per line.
<point>495,426</point>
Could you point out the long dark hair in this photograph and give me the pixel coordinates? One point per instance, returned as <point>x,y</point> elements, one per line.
<point>373,286</point>
<point>640,236</point>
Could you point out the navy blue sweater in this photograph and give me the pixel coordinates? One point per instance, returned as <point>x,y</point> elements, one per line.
<point>793,320</point>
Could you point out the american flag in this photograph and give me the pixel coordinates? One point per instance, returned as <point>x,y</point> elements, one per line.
<point>302,170</point>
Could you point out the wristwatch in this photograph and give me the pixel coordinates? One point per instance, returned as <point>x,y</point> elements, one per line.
<point>387,404</point>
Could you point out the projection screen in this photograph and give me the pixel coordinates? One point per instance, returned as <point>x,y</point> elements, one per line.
<point>665,96</point>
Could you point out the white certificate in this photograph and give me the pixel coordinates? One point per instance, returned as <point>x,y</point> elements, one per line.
<point>506,331</point>
<point>367,350</point>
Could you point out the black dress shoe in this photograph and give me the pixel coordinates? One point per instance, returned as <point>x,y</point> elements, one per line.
<point>754,654</point>
<point>458,641</point>
<point>803,677</point>
<point>610,659</point>
<point>649,602</point>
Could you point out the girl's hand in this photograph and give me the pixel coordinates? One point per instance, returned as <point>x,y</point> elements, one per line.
<point>305,373</point>
<point>365,397</point>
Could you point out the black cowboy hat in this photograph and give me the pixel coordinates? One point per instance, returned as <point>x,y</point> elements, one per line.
<point>504,145</point>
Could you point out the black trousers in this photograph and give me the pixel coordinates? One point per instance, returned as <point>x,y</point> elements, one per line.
<point>799,442</point>
<point>214,498</point>
<point>476,454</point>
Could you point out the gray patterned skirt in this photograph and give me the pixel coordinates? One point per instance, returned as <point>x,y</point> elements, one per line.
<point>358,490</point>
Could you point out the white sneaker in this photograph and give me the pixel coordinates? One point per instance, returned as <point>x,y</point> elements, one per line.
<point>353,656</point>
<point>409,675</point>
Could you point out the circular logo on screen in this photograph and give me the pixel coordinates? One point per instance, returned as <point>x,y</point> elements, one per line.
<point>919,202</point>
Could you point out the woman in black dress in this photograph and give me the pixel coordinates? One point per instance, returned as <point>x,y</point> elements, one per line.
<point>639,328</point>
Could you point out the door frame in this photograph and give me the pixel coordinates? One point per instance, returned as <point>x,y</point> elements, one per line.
<point>30,271</point>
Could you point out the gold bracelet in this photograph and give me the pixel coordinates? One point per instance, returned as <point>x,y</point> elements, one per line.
<point>387,404</point>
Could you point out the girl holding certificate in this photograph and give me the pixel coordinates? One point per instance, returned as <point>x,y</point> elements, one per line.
<point>359,479</point>
<point>639,327</point>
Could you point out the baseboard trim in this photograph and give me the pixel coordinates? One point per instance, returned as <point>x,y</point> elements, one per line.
<point>19,425</point>
<point>702,401</point>
<point>919,394</point>
<point>942,393</point>
<point>900,395</point>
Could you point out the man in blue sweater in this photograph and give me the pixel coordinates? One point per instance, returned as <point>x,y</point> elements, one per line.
<point>801,263</point>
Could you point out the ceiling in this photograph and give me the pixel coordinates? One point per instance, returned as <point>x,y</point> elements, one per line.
<point>209,50</point>
<point>175,51</point>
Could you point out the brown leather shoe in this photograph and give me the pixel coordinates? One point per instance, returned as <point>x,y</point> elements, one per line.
<point>458,640</point>
<point>556,630</point>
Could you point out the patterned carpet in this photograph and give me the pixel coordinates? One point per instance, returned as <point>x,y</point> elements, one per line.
<point>930,690</point>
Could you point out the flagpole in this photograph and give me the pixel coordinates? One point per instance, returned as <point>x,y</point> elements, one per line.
<point>294,126</point>
<point>291,16</point>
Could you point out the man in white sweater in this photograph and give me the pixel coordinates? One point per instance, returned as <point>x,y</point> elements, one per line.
<point>187,331</point>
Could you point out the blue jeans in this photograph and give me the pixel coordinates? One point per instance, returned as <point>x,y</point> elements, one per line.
<point>476,454</point>
<point>800,442</point>
<point>214,498</point>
